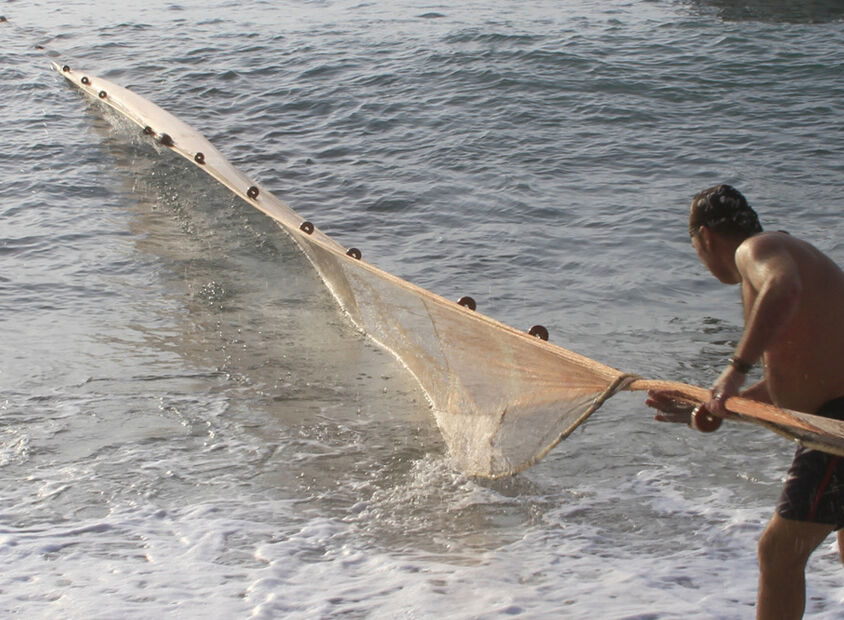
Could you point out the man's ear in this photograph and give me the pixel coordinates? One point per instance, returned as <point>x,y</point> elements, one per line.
<point>705,236</point>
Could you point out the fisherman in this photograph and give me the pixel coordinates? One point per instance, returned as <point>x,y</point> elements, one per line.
<point>793,298</point>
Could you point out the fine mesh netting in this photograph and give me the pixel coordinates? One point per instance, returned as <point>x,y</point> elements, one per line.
<point>502,398</point>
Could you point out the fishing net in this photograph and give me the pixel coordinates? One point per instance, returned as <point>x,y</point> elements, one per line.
<point>501,397</point>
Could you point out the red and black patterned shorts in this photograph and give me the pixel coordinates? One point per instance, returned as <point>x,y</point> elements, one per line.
<point>814,488</point>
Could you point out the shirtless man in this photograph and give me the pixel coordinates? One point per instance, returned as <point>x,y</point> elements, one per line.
<point>793,298</point>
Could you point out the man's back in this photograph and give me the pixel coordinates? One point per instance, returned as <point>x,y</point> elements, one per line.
<point>805,362</point>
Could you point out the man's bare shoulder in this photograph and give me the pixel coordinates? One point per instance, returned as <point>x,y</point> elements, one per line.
<point>767,245</point>
<point>763,253</point>
<point>791,260</point>
<point>771,241</point>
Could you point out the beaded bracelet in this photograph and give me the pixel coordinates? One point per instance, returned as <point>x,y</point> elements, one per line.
<point>740,365</point>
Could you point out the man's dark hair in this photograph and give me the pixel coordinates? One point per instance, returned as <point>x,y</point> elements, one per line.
<point>725,210</point>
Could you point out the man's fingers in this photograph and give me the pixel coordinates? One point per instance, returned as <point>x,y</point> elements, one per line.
<point>675,418</point>
<point>716,405</point>
<point>669,402</point>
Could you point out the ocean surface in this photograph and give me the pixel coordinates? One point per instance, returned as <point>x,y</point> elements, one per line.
<point>190,428</point>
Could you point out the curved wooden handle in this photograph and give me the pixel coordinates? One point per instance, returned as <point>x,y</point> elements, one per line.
<point>736,405</point>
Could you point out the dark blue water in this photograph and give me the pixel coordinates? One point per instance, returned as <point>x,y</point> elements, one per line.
<point>189,427</point>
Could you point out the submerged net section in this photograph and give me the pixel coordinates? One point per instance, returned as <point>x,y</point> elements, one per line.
<point>502,398</point>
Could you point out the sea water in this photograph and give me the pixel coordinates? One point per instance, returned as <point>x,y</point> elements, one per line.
<point>189,428</point>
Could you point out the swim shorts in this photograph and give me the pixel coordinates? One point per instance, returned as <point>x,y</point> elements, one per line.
<point>814,488</point>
